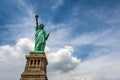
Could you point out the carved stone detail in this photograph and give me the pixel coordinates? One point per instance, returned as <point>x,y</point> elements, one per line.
<point>35,68</point>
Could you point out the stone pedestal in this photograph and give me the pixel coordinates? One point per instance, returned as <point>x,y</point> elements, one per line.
<point>35,68</point>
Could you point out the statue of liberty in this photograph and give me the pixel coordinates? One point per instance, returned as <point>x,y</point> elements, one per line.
<point>40,37</point>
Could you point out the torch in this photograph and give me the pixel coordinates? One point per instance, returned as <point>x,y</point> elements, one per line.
<point>36,16</point>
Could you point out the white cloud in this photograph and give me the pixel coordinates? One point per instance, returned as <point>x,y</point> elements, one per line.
<point>101,63</point>
<point>12,59</point>
<point>57,4</point>
<point>106,38</point>
<point>62,60</point>
<point>27,9</point>
<point>97,68</point>
<point>59,36</point>
<point>59,62</point>
<point>22,47</point>
<point>106,66</point>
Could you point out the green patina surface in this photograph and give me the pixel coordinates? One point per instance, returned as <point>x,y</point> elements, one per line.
<point>40,37</point>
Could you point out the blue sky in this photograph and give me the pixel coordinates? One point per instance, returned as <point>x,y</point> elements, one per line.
<point>86,30</point>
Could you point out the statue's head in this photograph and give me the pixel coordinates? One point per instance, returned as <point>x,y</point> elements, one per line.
<point>41,26</point>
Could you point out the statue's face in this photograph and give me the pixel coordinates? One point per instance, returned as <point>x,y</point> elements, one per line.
<point>41,26</point>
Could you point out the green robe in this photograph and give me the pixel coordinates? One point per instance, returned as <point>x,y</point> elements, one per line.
<point>40,39</point>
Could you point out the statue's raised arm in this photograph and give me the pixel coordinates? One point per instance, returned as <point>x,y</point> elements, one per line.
<point>36,17</point>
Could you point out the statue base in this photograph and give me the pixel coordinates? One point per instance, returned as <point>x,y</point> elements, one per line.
<point>35,68</point>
